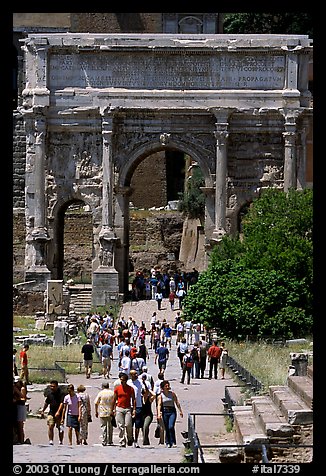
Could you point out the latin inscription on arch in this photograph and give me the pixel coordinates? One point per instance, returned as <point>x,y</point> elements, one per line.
<point>161,71</point>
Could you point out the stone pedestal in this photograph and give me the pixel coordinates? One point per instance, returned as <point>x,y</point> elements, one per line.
<point>54,299</point>
<point>300,362</point>
<point>105,287</point>
<point>39,274</point>
<point>60,333</point>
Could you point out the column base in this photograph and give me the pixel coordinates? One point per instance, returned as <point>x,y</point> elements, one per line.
<point>217,235</point>
<point>39,274</point>
<point>105,286</point>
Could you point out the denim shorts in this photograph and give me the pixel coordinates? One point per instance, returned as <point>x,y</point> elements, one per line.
<point>72,421</point>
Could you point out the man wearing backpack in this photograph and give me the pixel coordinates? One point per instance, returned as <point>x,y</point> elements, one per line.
<point>188,363</point>
<point>137,363</point>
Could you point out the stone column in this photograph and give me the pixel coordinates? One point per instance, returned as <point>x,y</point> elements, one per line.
<point>290,143</point>
<point>122,229</point>
<point>221,135</point>
<point>36,236</point>
<point>302,155</point>
<point>107,195</point>
<point>105,277</point>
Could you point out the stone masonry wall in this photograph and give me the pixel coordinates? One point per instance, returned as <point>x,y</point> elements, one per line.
<point>152,240</point>
<point>116,22</point>
<point>18,245</point>
<point>19,150</point>
<point>78,246</point>
<point>149,182</point>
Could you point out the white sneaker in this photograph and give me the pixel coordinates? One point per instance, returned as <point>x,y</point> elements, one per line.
<point>136,445</point>
<point>51,442</point>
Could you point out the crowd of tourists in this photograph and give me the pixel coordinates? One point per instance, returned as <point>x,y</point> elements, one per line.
<point>146,285</point>
<point>136,399</point>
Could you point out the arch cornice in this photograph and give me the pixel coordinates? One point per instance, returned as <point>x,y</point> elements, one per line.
<point>199,154</point>
<point>66,200</point>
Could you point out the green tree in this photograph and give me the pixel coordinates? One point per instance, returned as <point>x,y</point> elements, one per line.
<point>278,233</point>
<point>284,23</point>
<point>192,200</point>
<point>261,285</point>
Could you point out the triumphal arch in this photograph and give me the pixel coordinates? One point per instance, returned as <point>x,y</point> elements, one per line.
<point>96,105</point>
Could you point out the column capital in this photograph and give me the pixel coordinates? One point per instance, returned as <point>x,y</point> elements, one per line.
<point>290,138</point>
<point>218,235</point>
<point>290,115</point>
<point>221,137</point>
<point>39,234</point>
<point>222,114</point>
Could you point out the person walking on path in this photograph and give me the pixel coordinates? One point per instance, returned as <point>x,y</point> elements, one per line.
<point>149,377</point>
<point>182,349</point>
<point>125,363</point>
<point>85,413</point>
<point>106,354</point>
<point>166,410</point>
<point>124,407</point>
<point>187,366</point>
<point>87,350</point>
<point>188,331</point>
<point>24,372</point>
<point>203,346</point>
<point>180,331</point>
<point>20,397</point>
<point>14,363</point>
<point>181,294</point>
<point>195,372</point>
<point>214,353</point>
<point>162,356</point>
<point>104,402</point>
<point>172,299</point>
<point>93,330</point>
<point>143,351</point>
<point>70,406</point>
<point>54,399</point>
<point>167,330</point>
<point>138,421</point>
<point>158,299</point>
<point>148,397</point>
<point>223,359</point>
<point>157,390</point>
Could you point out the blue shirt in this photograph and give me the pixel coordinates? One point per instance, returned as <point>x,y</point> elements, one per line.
<point>106,350</point>
<point>162,353</point>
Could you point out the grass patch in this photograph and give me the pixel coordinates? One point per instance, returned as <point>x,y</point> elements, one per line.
<point>26,324</point>
<point>228,424</point>
<point>42,358</point>
<point>145,213</point>
<point>267,362</point>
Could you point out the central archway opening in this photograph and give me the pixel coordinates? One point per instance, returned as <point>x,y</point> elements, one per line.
<point>158,184</point>
<point>75,242</point>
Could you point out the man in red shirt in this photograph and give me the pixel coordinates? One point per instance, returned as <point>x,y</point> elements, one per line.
<point>24,374</point>
<point>124,407</point>
<point>214,354</point>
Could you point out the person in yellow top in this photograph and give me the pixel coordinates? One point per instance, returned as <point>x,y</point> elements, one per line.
<point>104,410</point>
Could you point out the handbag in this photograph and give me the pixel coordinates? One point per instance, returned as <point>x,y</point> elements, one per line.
<point>113,421</point>
<point>157,432</point>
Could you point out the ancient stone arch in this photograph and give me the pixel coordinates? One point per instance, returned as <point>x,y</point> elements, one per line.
<point>95,105</point>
